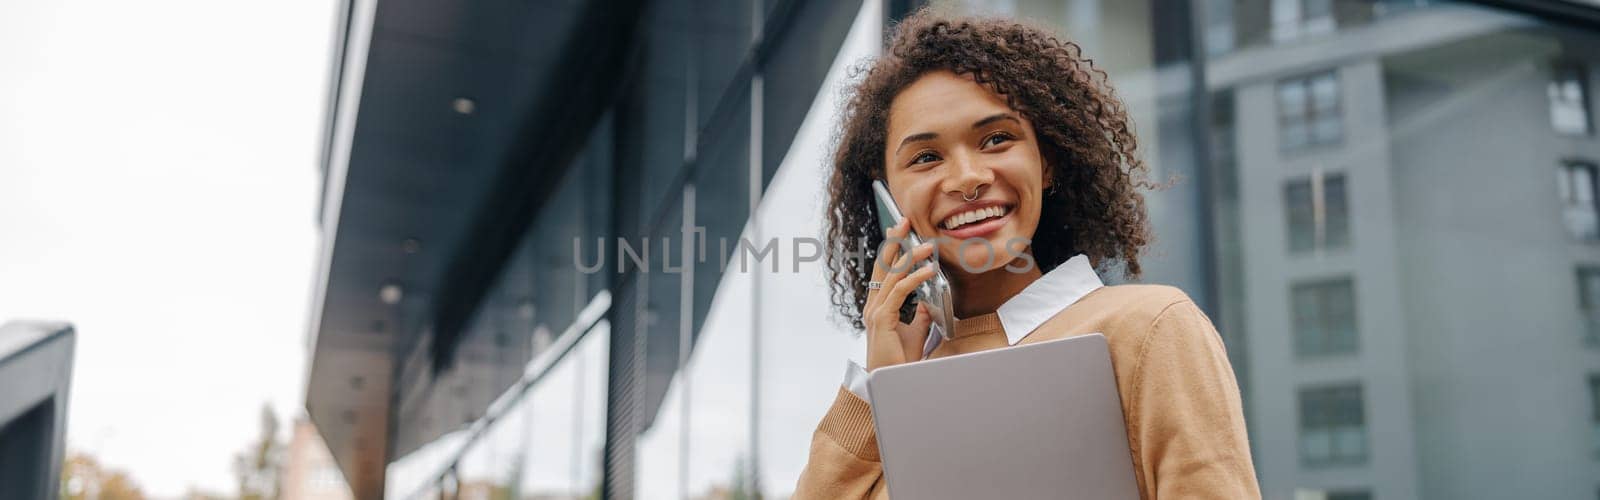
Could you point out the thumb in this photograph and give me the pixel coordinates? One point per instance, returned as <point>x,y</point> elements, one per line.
<point>915,334</point>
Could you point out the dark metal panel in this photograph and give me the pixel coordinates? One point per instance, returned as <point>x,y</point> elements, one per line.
<point>793,69</point>
<point>1585,15</point>
<point>36,365</point>
<point>419,165</point>
<point>593,64</point>
<point>651,144</point>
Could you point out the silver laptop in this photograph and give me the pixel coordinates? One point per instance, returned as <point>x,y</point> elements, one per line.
<point>1032,421</point>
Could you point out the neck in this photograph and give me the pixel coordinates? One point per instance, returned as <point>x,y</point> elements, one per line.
<point>982,293</point>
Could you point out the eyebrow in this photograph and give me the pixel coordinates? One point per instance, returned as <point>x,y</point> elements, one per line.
<point>978,124</point>
<point>994,118</point>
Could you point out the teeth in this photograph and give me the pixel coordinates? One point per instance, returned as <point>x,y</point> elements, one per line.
<point>971,216</point>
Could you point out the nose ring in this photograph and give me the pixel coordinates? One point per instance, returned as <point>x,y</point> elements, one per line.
<point>974,196</point>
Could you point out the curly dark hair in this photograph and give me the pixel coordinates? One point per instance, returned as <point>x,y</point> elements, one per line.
<point>1085,139</point>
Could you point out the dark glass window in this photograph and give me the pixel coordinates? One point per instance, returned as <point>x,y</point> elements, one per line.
<point>1333,426</point>
<point>1569,99</point>
<point>1594,413</point>
<point>1308,111</point>
<point>1318,212</point>
<point>1297,18</point>
<point>1580,211</point>
<point>1589,302</point>
<point>1349,495</point>
<point>1324,318</point>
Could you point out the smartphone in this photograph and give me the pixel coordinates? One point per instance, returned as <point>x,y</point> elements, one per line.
<point>934,293</point>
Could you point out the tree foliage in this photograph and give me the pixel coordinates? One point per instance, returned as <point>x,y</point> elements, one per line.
<point>257,467</point>
<point>84,478</point>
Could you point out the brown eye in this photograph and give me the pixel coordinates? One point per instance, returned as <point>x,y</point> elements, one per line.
<point>996,139</point>
<point>924,157</point>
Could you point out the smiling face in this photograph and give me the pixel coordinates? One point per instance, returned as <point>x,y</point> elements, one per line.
<point>947,137</point>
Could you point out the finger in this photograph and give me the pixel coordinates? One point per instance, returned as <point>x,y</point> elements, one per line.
<point>883,344</point>
<point>914,335</point>
<point>903,288</point>
<point>888,254</point>
<point>903,265</point>
<point>901,268</point>
<point>893,240</point>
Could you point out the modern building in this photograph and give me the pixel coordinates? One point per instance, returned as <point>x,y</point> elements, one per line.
<point>1388,207</point>
<point>1411,186</point>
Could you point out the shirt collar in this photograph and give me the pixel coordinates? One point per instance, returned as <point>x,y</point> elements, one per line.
<point>1046,296</point>
<point>1041,300</point>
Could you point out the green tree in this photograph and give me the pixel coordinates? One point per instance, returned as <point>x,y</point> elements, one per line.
<point>83,478</point>
<point>257,467</point>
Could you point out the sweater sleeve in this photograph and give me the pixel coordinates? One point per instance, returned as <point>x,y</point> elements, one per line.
<point>1186,419</point>
<point>844,461</point>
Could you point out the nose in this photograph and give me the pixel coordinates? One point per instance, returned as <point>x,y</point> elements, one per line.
<point>966,172</point>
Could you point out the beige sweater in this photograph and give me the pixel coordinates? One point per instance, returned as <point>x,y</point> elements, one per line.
<point>1179,399</point>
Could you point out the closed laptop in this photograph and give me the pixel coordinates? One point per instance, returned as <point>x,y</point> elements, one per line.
<point>1030,421</point>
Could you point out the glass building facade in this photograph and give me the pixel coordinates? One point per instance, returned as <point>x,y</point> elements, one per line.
<point>1387,207</point>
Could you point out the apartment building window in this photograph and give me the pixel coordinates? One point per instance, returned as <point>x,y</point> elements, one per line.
<point>1293,19</point>
<point>1333,426</point>
<point>1219,26</point>
<point>1569,102</point>
<point>1589,303</point>
<point>1308,111</point>
<point>1326,494</point>
<point>1594,413</point>
<point>1319,212</point>
<point>1383,8</point>
<point>1324,317</point>
<point>1580,210</point>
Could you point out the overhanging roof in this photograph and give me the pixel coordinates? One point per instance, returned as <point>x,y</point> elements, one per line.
<point>435,116</point>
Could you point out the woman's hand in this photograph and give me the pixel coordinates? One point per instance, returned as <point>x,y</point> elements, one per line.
<point>890,342</point>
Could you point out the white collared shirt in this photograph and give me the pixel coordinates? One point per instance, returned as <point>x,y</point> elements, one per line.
<point>1019,316</point>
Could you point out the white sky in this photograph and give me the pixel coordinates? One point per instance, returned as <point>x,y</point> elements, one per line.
<point>158,184</point>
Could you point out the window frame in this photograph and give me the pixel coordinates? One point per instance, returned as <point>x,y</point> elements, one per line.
<point>1323,289</point>
<point>1594,414</point>
<point>1332,392</point>
<point>1579,73</point>
<point>1309,111</point>
<point>1321,212</point>
<point>1285,25</point>
<point>1567,196</point>
<point>1589,302</point>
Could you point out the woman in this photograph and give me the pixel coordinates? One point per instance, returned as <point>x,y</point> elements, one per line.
<point>991,134</point>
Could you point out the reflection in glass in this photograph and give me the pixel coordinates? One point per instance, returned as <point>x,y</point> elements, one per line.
<point>719,378</point>
<point>565,414</point>
<point>660,450</point>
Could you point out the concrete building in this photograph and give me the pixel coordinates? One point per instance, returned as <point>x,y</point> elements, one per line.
<point>1407,276</point>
